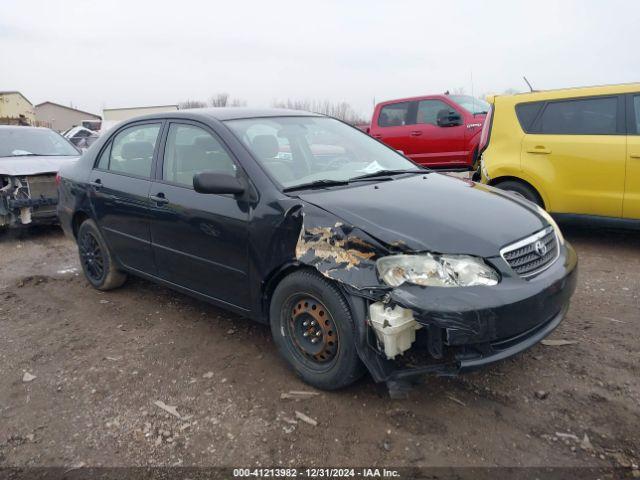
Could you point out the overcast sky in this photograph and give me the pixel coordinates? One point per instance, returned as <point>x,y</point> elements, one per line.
<point>113,53</point>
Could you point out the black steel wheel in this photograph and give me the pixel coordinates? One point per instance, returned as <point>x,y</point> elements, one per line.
<point>91,256</point>
<point>312,325</point>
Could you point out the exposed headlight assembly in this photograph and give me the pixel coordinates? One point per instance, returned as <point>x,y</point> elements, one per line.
<point>436,270</point>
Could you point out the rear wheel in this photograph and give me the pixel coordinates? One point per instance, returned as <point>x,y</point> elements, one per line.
<point>522,190</point>
<point>96,259</point>
<point>312,326</point>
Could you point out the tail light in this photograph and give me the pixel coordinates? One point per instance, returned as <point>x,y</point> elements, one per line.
<point>486,131</point>
<point>58,179</point>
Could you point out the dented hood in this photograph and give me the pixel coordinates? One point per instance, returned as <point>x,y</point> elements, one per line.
<point>31,165</point>
<point>433,212</point>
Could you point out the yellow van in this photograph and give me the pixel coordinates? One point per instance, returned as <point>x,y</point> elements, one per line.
<point>571,151</point>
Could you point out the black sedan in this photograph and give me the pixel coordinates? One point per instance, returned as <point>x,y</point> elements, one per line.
<point>355,256</point>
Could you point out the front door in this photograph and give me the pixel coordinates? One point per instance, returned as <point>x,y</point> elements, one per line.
<point>631,205</point>
<point>200,241</point>
<point>577,149</point>
<point>119,193</point>
<point>394,126</point>
<point>433,144</point>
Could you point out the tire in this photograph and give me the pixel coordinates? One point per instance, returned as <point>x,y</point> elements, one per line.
<point>305,296</point>
<point>522,190</point>
<point>97,262</point>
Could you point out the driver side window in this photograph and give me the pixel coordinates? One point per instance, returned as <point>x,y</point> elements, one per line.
<point>428,111</point>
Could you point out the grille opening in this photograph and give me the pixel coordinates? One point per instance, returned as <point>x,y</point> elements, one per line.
<point>534,254</point>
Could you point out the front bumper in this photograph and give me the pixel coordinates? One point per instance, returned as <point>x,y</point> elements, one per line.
<point>465,329</point>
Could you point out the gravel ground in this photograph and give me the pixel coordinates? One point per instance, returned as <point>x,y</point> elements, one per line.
<point>103,362</point>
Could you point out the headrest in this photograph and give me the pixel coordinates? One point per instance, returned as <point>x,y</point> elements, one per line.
<point>265,146</point>
<point>132,150</point>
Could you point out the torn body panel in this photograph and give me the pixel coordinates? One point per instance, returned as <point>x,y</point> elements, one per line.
<point>463,327</point>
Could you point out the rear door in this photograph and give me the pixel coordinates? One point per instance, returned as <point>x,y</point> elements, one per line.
<point>394,125</point>
<point>576,148</point>
<point>200,241</point>
<point>436,145</point>
<point>119,193</point>
<point>631,204</point>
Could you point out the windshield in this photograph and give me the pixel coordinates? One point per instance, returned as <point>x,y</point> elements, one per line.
<point>471,104</point>
<point>301,150</point>
<point>23,141</point>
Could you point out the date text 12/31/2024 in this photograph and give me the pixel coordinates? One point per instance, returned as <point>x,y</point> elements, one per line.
<point>315,473</point>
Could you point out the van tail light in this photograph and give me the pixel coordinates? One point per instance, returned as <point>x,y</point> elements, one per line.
<point>58,178</point>
<point>486,131</point>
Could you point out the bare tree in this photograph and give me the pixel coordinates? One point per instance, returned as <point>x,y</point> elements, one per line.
<point>225,100</point>
<point>191,104</point>
<point>340,110</point>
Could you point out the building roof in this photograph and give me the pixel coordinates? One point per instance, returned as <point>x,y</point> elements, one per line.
<point>9,92</point>
<point>70,108</point>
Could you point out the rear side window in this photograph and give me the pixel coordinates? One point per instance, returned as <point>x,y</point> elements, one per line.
<point>394,115</point>
<point>636,109</point>
<point>589,116</point>
<point>191,150</point>
<point>131,151</point>
<point>527,113</point>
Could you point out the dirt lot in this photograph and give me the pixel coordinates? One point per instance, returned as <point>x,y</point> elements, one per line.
<point>101,360</point>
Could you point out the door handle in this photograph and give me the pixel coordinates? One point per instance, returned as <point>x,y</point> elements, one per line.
<point>160,199</point>
<point>96,184</point>
<point>539,149</point>
<point>635,155</point>
<point>416,133</point>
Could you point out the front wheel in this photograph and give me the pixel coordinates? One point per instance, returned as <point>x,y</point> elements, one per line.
<point>522,190</point>
<point>97,262</point>
<point>312,326</point>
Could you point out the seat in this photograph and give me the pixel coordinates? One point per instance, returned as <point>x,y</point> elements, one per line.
<point>267,148</point>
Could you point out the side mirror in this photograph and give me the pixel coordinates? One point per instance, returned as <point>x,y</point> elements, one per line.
<point>448,118</point>
<point>210,182</point>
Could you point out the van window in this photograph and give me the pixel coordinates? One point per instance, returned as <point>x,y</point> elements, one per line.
<point>394,115</point>
<point>590,116</point>
<point>527,113</point>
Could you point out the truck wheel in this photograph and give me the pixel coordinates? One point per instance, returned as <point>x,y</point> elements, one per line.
<point>522,190</point>
<point>96,259</point>
<point>312,326</point>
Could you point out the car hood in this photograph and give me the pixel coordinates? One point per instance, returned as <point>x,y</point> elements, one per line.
<point>28,165</point>
<point>433,212</point>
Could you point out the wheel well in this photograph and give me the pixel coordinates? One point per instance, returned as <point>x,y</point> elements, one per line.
<point>272,282</point>
<point>77,220</point>
<point>496,181</point>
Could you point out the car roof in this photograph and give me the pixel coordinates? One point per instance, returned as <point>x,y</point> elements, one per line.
<point>570,92</point>
<point>227,113</point>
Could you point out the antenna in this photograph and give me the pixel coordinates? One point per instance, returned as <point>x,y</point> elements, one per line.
<point>530,87</point>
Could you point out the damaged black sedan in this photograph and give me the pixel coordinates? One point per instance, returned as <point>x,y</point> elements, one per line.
<point>356,257</point>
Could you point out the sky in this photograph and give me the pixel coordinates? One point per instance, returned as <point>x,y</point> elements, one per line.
<point>114,53</point>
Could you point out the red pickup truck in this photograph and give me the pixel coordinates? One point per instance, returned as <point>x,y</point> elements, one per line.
<point>434,130</point>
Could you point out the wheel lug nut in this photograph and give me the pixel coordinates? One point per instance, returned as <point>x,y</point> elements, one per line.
<point>318,333</point>
<point>314,340</point>
<point>313,323</point>
<point>305,323</point>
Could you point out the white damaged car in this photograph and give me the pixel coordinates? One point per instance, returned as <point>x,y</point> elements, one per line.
<point>30,158</point>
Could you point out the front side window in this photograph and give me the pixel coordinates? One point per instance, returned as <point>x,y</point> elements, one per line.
<point>131,151</point>
<point>191,150</point>
<point>301,150</point>
<point>394,115</point>
<point>430,110</point>
<point>590,116</point>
